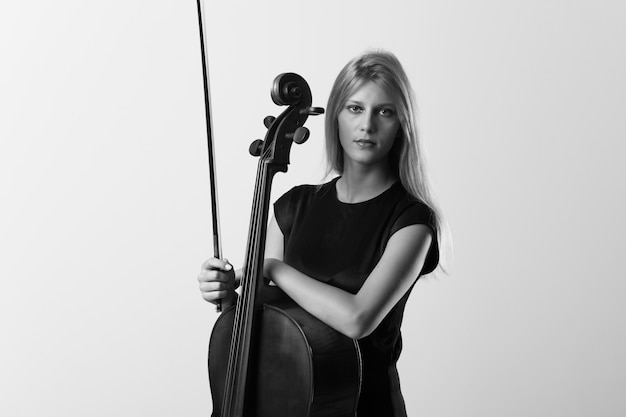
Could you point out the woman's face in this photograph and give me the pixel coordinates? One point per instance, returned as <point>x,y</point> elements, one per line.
<point>368,124</point>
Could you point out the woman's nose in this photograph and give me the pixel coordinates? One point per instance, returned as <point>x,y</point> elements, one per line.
<point>368,123</point>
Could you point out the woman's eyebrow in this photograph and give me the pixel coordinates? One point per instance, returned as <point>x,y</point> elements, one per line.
<point>360,103</point>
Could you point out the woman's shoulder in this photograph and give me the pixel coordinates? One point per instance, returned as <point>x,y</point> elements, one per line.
<point>406,200</point>
<point>411,210</point>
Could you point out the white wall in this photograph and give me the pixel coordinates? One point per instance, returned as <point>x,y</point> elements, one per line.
<point>105,213</point>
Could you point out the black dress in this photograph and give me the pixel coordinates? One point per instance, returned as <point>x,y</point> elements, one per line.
<point>340,244</point>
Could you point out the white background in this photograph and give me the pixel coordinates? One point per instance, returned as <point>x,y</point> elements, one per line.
<point>105,210</point>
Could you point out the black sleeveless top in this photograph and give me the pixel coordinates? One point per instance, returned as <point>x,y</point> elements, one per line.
<point>340,244</point>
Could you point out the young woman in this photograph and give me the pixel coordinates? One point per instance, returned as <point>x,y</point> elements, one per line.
<point>349,251</point>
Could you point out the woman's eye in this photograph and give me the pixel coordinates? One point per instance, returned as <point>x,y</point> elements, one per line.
<point>354,108</point>
<point>386,112</point>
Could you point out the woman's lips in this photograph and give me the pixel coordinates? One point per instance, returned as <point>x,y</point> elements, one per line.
<point>365,143</point>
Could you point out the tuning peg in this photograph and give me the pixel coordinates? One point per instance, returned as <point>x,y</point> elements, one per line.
<point>301,135</point>
<point>268,121</point>
<point>312,111</point>
<point>256,147</point>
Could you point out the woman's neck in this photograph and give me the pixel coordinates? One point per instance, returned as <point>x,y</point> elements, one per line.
<point>358,184</point>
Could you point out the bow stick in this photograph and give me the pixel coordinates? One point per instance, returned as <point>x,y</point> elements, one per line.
<point>217,251</point>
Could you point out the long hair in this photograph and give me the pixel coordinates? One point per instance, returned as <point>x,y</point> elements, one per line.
<point>406,157</point>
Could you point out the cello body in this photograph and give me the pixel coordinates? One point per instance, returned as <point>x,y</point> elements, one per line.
<point>302,367</point>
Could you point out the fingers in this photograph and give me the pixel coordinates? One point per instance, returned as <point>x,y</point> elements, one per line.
<point>214,297</point>
<point>214,290</point>
<point>216,275</point>
<point>214,269</point>
<point>216,279</point>
<point>214,263</point>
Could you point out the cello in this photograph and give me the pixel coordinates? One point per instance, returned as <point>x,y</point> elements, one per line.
<point>267,356</point>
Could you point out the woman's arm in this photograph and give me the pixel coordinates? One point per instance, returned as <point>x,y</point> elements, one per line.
<point>354,315</point>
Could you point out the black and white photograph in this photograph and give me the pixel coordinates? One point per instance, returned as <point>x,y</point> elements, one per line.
<point>329,208</point>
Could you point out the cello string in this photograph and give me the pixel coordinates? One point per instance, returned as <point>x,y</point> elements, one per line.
<point>242,321</point>
<point>247,306</point>
<point>254,271</point>
<point>240,316</point>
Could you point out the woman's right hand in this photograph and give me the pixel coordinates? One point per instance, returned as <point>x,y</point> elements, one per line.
<point>217,281</point>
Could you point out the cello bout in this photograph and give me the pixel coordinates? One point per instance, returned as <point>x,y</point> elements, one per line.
<point>303,368</point>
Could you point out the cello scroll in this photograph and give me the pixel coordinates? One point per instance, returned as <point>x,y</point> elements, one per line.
<point>289,89</point>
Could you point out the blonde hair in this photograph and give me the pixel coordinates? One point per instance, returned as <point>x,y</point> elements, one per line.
<point>406,157</point>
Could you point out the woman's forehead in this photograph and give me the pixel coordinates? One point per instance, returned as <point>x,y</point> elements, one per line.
<point>370,92</point>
